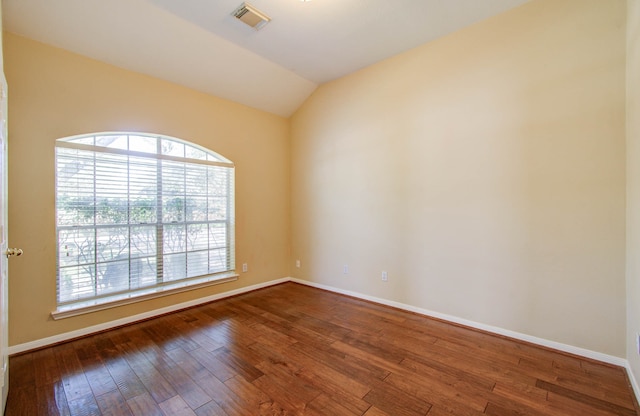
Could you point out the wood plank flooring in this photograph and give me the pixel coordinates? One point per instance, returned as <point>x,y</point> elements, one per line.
<point>294,350</point>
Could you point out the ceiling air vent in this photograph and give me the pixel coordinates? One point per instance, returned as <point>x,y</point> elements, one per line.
<point>251,16</point>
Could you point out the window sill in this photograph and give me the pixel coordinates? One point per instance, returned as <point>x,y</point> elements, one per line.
<point>82,308</point>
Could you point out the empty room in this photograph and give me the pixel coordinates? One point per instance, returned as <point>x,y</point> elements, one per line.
<point>320,207</point>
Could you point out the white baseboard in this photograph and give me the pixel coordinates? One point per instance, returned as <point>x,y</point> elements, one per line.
<point>632,380</point>
<point>44,342</point>
<point>606,358</point>
<point>493,329</point>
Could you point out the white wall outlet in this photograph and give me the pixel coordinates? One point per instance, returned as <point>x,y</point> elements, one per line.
<point>245,267</point>
<point>385,276</point>
<point>638,343</point>
<point>345,269</point>
<point>298,264</point>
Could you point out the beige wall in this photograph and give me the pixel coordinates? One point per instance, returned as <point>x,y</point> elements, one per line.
<point>55,94</point>
<point>484,171</point>
<point>633,183</point>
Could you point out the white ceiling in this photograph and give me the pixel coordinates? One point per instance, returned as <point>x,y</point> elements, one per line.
<point>198,44</point>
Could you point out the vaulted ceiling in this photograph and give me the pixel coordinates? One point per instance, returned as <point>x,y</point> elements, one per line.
<point>199,44</point>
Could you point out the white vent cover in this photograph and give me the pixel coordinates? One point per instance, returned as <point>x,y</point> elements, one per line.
<point>251,16</point>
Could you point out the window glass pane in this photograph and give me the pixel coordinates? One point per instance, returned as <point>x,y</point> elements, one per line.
<point>84,140</point>
<point>113,277</point>
<point>112,244</point>
<point>173,175</point>
<point>76,282</point>
<point>111,193</point>
<point>197,263</point>
<point>197,237</point>
<point>174,266</point>
<point>196,190</point>
<point>173,203</point>
<point>195,179</point>
<point>214,158</point>
<point>194,153</point>
<point>217,235</point>
<point>144,272</point>
<point>143,144</point>
<point>217,260</point>
<point>217,208</point>
<point>75,183</point>
<point>173,209</point>
<point>172,148</point>
<point>143,190</point>
<point>142,210</point>
<point>196,209</point>
<point>110,210</point>
<point>218,181</point>
<point>76,247</point>
<point>68,253</point>
<point>143,241</point>
<point>174,238</point>
<point>112,141</point>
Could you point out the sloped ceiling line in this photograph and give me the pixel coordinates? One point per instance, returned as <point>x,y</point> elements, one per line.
<point>199,44</point>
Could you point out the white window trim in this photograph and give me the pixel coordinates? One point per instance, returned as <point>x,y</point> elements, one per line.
<point>154,293</point>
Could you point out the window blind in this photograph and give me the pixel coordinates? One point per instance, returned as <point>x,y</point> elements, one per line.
<point>137,213</point>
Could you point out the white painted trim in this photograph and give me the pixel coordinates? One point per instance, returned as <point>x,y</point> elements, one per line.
<point>154,293</point>
<point>43,342</point>
<point>632,380</point>
<point>493,329</point>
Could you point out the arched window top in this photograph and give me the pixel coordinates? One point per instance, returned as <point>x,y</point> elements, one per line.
<point>156,144</point>
<point>139,215</point>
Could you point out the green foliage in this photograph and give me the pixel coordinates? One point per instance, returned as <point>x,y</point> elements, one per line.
<point>83,210</point>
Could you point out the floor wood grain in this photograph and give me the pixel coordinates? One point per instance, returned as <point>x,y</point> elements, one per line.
<point>295,350</point>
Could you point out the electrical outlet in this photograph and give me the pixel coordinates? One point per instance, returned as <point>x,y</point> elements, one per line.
<point>345,269</point>
<point>298,264</point>
<point>245,267</point>
<point>638,343</point>
<point>385,276</point>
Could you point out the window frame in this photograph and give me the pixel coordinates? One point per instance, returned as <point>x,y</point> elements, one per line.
<point>164,285</point>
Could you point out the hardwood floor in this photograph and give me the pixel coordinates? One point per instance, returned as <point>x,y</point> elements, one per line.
<point>292,350</point>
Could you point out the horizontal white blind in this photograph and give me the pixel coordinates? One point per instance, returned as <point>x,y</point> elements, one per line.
<point>136,212</point>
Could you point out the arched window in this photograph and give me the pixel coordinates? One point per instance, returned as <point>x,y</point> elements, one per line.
<point>138,214</point>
